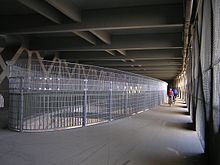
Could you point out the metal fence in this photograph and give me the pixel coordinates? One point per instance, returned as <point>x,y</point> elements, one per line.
<point>59,95</point>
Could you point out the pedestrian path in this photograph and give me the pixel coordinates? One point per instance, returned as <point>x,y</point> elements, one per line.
<point>161,136</point>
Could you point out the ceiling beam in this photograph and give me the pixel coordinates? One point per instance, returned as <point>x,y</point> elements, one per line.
<point>44,9</point>
<point>105,37</point>
<point>128,59</point>
<point>86,36</point>
<point>167,78</point>
<point>102,35</point>
<point>62,28</point>
<point>161,76</point>
<point>170,78</point>
<point>111,52</point>
<point>138,63</point>
<point>28,20</point>
<point>125,42</point>
<point>157,16</point>
<point>149,69</point>
<point>122,52</point>
<point>156,72</point>
<point>68,8</point>
<point>132,54</point>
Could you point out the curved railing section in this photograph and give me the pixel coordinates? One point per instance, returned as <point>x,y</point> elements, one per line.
<point>58,95</point>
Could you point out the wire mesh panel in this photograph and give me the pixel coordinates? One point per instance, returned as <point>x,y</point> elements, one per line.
<point>216,30</point>
<point>203,69</point>
<point>216,64</point>
<point>203,76</point>
<point>59,95</point>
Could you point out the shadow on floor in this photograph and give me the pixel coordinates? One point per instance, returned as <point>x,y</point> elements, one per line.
<point>174,105</point>
<point>181,105</point>
<point>181,112</point>
<point>175,112</point>
<point>179,101</point>
<point>165,105</point>
<point>3,119</point>
<point>185,126</point>
<point>186,160</point>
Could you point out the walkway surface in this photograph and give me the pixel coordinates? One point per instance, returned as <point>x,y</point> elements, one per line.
<point>161,136</point>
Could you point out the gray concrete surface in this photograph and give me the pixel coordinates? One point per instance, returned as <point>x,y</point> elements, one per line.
<point>161,136</point>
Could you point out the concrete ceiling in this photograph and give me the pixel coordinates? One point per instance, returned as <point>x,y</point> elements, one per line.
<point>141,36</point>
<point>97,4</point>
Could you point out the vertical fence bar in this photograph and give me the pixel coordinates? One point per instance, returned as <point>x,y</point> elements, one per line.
<point>44,107</point>
<point>85,102</point>
<point>21,105</point>
<point>110,101</point>
<point>126,100</point>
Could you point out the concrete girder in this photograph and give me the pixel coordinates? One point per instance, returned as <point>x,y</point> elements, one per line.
<point>44,9</point>
<point>86,36</point>
<point>111,52</point>
<point>161,75</point>
<point>138,63</point>
<point>125,42</point>
<point>166,68</point>
<point>127,59</point>
<point>102,35</point>
<point>19,22</point>
<point>118,18</point>
<point>68,8</point>
<point>155,71</point>
<point>132,54</point>
<point>122,52</point>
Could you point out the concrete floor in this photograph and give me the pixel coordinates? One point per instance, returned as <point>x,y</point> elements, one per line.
<point>161,136</point>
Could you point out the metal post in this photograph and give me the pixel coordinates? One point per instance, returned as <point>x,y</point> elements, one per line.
<point>110,102</point>
<point>126,100</point>
<point>85,106</point>
<point>22,104</point>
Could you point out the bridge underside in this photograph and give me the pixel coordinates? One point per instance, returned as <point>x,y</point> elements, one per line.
<point>144,37</point>
<point>174,40</point>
